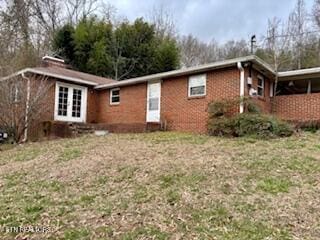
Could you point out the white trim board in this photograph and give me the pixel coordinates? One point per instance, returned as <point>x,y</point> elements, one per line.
<point>189,71</point>
<point>58,76</point>
<point>84,99</point>
<point>153,115</point>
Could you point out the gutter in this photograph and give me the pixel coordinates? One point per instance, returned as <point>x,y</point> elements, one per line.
<point>31,70</point>
<point>299,72</point>
<point>241,69</point>
<point>188,71</point>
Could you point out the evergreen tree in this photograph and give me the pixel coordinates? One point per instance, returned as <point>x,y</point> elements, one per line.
<point>130,50</point>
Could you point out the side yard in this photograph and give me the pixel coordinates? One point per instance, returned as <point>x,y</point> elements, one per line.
<point>163,186</point>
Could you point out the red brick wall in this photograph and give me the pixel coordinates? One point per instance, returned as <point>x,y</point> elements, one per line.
<point>132,107</point>
<point>263,102</point>
<point>92,103</point>
<point>190,114</point>
<point>36,130</point>
<point>302,107</point>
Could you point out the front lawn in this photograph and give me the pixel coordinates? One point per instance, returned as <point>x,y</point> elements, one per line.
<point>163,186</point>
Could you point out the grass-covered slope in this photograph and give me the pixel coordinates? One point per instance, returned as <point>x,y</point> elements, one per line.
<point>163,186</point>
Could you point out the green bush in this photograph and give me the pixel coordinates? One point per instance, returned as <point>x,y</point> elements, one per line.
<point>225,121</point>
<point>251,107</point>
<point>262,125</point>
<point>249,124</point>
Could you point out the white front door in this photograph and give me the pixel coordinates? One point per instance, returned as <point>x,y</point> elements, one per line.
<point>70,103</point>
<point>153,102</point>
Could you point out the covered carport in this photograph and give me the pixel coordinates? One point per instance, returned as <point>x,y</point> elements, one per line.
<point>297,96</point>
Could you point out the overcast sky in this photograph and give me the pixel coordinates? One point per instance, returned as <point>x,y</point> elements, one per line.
<point>219,19</point>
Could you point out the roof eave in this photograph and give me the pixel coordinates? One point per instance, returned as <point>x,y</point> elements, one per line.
<point>299,72</point>
<point>188,71</point>
<point>58,76</point>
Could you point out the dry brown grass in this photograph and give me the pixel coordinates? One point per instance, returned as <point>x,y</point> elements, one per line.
<point>163,186</point>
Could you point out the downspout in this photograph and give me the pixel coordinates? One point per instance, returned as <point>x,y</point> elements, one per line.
<point>241,69</point>
<point>26,119</point>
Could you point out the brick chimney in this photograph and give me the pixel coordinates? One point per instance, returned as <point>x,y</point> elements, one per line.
<point>48,61</point>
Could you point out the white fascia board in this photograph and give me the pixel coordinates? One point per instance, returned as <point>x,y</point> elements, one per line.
<point>264,64</point>
<point>58,76</point>
<point>52,58</point>
<point>181,72</point>
<point>15,74</point>
<point>299,72</point>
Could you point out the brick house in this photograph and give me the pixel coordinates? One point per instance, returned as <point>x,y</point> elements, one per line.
<point>177,100</point>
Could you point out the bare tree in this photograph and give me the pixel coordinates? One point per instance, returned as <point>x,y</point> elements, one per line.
<point>122,66</point>
<point>108,12</point>
<point>78,9</point>
<point>276,45</point>
<point>17,34</point>
<point>194,52</point>
<point>298,24</point>
<point>23,103</point>
<point>316,12</point>
<point>47,14</point>
<point>163,21</point>
<point>233,49</point>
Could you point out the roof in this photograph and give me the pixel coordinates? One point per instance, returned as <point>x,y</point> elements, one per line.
<point>298,73</point>
<point>66,74</point>
<point>191,70</point>
<point>106,83</point>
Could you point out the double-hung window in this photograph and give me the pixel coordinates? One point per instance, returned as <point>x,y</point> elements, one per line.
<point>115,96</point>
<point>260,86</point>
<point>197,85</point>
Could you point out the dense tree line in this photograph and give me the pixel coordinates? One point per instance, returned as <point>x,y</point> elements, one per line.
<point>126,51</point>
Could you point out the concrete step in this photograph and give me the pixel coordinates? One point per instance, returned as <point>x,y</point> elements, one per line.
<point>81,128</point>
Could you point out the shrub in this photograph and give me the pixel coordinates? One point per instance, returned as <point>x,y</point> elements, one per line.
<point>221,108</point>
<point>221,127</point>
<point>261,126</point>
<point>251,107</point>
<point>309,126</point>
<point>227,106</point>
<point>249,124</point>
<point>223,121</point>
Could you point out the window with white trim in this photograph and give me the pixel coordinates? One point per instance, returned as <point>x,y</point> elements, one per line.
<point>197,85</point>
<point>115,96</point>
<point>260,86</point>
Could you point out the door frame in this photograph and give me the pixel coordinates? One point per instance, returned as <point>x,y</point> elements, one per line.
<point>69,117</point>
<point>159,103</point>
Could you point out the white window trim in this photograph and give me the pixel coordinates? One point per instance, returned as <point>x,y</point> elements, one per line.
<point>111,95</point>
<point>148,117</point>
<point>205,86</point>
<point>260,86</point>
<point>83,105</point>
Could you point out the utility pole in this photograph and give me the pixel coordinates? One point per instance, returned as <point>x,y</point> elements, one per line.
<point>253,41</point>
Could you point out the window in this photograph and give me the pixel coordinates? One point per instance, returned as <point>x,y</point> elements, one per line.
<point>260,86</point>
<point>153,104</point>
<point>76,103</point>
<point>114,96</point>
<point>197,85</point>
<point>63,101</point>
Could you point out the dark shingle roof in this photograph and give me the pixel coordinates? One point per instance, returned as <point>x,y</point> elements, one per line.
<point>68,73</point>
